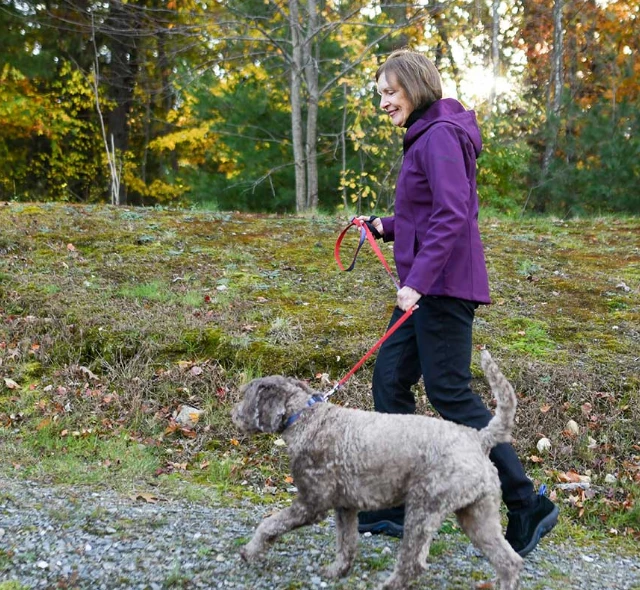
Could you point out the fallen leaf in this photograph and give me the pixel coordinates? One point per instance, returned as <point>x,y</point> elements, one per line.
<point>181,466</point>
<point>570,476</point>
<point>150,498</point>
<point>43,423</point>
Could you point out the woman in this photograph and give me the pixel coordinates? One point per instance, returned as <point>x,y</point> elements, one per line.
<point>440,263</point>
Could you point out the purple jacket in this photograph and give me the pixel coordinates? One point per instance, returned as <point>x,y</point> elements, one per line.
<point>437,246</point>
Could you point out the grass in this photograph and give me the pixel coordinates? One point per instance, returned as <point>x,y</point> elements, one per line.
<point>176,578</point>
<point>80,457</point>
<point>112,318</point>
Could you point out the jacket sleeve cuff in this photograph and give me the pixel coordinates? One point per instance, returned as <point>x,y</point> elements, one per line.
<point>388,227</point>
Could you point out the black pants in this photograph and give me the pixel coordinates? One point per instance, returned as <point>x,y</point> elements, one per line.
<point>435,343</point>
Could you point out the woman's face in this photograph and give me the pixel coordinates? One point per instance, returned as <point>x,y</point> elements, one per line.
<point>394,100</point>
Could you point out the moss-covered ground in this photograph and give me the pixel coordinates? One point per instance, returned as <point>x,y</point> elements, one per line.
<point>111,318</point>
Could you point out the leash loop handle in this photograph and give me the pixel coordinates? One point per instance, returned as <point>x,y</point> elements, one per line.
<point>365,234</point>
<point>336,250</point>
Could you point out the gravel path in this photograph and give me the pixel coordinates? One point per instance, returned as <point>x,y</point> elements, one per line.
<point>66,538</point>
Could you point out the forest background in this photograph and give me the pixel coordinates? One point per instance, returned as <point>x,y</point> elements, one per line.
<point>270,106</point>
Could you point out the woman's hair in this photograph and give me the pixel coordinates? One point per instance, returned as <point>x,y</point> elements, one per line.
<point>416,74</point>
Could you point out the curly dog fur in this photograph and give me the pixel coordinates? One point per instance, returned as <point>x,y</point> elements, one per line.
<point>350,460</point>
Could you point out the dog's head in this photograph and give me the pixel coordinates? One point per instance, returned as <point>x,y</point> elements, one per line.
<point>267,403</point>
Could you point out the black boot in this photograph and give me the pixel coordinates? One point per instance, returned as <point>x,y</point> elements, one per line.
<point>389,521</point>
<point>529,524</point>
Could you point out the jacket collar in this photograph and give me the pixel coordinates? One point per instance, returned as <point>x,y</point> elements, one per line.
<point>414,116</point>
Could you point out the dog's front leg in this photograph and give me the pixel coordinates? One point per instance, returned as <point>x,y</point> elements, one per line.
<point>346,541</point>
<point>271,528</point>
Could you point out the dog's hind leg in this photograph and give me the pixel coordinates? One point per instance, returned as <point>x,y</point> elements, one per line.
<point>422,520</point>
<point>346,541</point>
<point>481,522</point>
<point>271,528</point>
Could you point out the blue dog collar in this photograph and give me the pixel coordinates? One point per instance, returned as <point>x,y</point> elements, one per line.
<point>315,399</point>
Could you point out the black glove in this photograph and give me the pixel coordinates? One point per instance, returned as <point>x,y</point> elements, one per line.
<point>376,234</point>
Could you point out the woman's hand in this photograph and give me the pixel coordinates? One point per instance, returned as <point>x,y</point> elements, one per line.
<point>376,222</point>
<point>407,298</point>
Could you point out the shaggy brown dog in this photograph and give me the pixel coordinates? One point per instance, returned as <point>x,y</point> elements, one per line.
<point>350,460</point>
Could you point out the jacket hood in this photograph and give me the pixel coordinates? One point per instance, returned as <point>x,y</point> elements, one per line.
<point>446,110</point>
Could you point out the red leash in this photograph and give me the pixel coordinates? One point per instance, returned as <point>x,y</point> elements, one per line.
<point>361,362</point>
<point>365,233</point>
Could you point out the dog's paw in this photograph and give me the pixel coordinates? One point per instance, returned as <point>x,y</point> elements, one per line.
<point>249,554</point>
<point>335,570</point>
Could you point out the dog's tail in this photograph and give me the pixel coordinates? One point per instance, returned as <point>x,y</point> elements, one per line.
<point>499,428</point>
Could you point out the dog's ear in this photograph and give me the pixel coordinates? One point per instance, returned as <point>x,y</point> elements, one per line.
<point>269,410</point>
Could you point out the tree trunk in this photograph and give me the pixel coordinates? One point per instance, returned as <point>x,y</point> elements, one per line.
<point>495,51</point>
<point>343,143</point>
<point>311,78</point>
<point>296,107</point>
<point>121,78</point>
<point>556,81</point>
